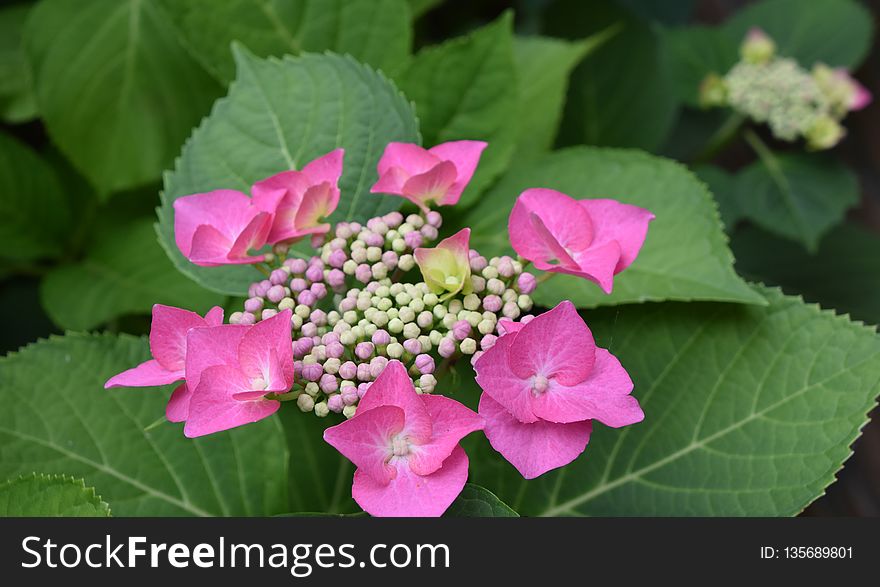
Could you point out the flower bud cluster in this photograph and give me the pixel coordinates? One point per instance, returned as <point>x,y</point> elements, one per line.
<point>355,308</point>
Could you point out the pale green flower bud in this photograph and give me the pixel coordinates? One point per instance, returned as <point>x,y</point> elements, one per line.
<point>391,236</point>
<point>439,311</point>
<point>394,350</point>
<point>449,320</point>
<point>296,322</point>
<point>417,305</point>
<point>305,402</point>
<point>286,304</point>
<point>309,359</point>
<point>495,286</point>
<point>321,409</point>
<point>510,295</point>
<point>473,318</point>
<point>357,244</point>
<point>435,337</point>
<point>396,288</point>
<point>411,330</point>
<point>363,303</point>
<point>478,283</point>
<point>455,306</point>
<point>350,266</point>
<point>471,302</point>
<point>406,262</point>
<point>398,245</point>
<point>486,327</point>
<point>524,302</point>
<point>350,317</point>
<point>430,300</point>
<point>383,291</point>
<point>379,270</point>
<point>380,319</point>
<point>312,388</point>
<point>427,383</point>
<point>331,366</point>
<point>425,319</point>
<point>395,326</point>
<point>369,330</point>
<point>358,332</point>
<point>415,221</point>
<point>468,346</point>
<point>374,254</point>
<point>347,338</point>
<point>406,314</point>
<point>302,311</point>
<point>349,411</point>
<point>402,298</point>
<point>425,341</point>
<point>346,383</point>
<point>333,317</point>
<point>392,313</point>
<point>490,272</point>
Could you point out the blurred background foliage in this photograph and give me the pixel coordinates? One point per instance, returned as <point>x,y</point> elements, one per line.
<point>93,118</point>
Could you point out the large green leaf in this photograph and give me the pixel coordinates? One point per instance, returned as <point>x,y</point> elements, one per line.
<point>695,52</point>
<point>836,32</point>
<point>622,95</point>
<point>50,496</point>
<point>797,196</point>
<point>478,502</point>
<point>17,103</point>
<point>320,477</point>
<point>377,32</point>
<point>58,419</point>
<point>749,410</point>
<point>34,213</point>
<point>279,115</point>
<point>685,256</point>
<point>843,274</point>
<point>466,88</point>
<point>125,271</point>
<point>116,90</point>
<point>543,65</point>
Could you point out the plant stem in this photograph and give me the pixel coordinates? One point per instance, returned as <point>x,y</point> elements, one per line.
<point>725,135</point>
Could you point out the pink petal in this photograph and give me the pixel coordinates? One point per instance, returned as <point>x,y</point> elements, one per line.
<point>556,344</point>
<point>393,387</point>
<point>451,422</point>
<point>366,439</point>
<point>624,223</point>
<point>252,236</point>
<point>168,334</point>
<point>604,396</point>
<point>555,256</point>
<point>432,185</point>
<point>282,190</point>
<point>213,408</point>
<point>327,168</point>
<point>495,377</point>
<point>263,340</point>
<point>597,264</point>
<point>207,347</point>
<point>465,155</point>
<point>412,495</point>
<point>508,326</point>
<point>210,248</point>
<point>861,97</point>
<point>147,374</point>
<point>178,404</point>
<point>409,157</point>
<point>222,209</point>
<point>214,317</point>
<point>566,221</point>
<point>533,448</point>
<point>319,202</point>
<point>391,182</point>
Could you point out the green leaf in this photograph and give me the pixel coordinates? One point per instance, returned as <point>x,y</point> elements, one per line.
<point>543,65</point>
<point>685,256</point>
<point>466,89</point>
<point>279,115</point>
<point>17,103</point>
<point>836,32</point>
<point>319,476</point>
<point>723,186</point>
<point>377,32</point>
<point>420,7</point>
<point>843,274</point>
<point>117,92</point>
<point>125,271</point>
<point>58,419</point>
<point>695,52</point>
<point>749,411</point>
<point>50,496</point>
<point>478,502</point>
<point>34,213</point>
<point>622,95</point>
<point>797,196</point>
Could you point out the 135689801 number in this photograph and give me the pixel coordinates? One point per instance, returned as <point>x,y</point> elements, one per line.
<point>794,552</point>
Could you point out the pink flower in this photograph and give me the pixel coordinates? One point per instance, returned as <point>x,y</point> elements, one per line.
<point>229,370</point>
<point>405,446</point>
<point>446,268</point>
<point>428,176</point>
<point>168,346</point>
<point>593,239</point>
<point>299,200</point>
<point>219,228</point>
<point>543,383</point>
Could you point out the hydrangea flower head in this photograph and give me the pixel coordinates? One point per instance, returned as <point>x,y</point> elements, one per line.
<point>168,332</point>
<point>219,228</point>
<point>543,383</point>
<point>593,239</point>
<point>757,47</point>
<point>230,369</point>
<point>300,200</point>
<point>405,446</point>
<point>428,176</point>
<point>843,92</point>
<point>446,268</point>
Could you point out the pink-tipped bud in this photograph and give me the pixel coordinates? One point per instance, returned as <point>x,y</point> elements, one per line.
<point>315,273</point>
<point>302,347</point>
<point>329,337</point>
<point>412,346</point>
<point>319,289</point>
<point>475,357</point>
<point>393,219</point>
<point>526,283</point>
<point>343,230</point>
<point>278,277</point>
<point>381,337</point>
<point>317,241</point>
<point>318,318</point>
<point>446,348</point>
<point>262,288</point>
<point>296,266</point>
<point>363,273</point>
<point>527,318</point>
<point>253,304</point>
<point>434,218</point>
<point>350,395</point>
<point>336,278</point>
<point>337,258</point>
<point>413,239</point>
<point>335,403</point>
<point>362,389</point>
<point>298,284</point>
<point>488,341</point>
<point>377,365</point>
<point>461,330</point>
<point>328,383</point>
<point>309,329</point>
<point>247,318</point>
<point>505,267</point>
<point>312,372</point>
<point>478,263</point>
<point>429,232</point>
<point>307,298</point>
<point>347,304</point>
<point>335,350</point>
<point>374,240</point>
<point>363,372</point>
<point>364,350</point>
<point>492,303</point>
<point>348,370</point>
<point>276,293</point>
<point>425,364</point>
<point>389,259</point>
